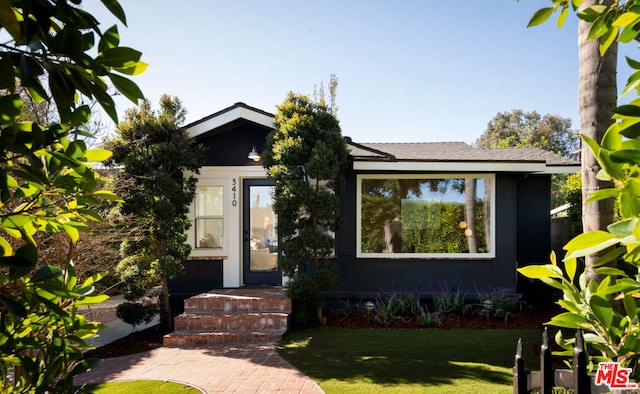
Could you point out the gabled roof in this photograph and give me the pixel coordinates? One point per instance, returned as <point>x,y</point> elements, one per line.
<point>414,156</point>
<point>238,111</point>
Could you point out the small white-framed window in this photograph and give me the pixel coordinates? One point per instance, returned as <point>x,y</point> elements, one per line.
<point>425,216</point>
<point>209,217</point>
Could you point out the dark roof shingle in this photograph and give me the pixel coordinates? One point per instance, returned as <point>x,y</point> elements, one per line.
<point>462,152</point>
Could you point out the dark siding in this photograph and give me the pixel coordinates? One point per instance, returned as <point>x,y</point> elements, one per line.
<point>199,276</point>
<point>230,145</point>
<point>534,220</point>
<point>534,226</point>
<point>372,275</point>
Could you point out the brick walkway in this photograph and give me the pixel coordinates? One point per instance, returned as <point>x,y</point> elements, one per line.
<point>251,368</point>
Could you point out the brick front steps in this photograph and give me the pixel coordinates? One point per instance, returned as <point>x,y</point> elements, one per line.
<point>231,316</point>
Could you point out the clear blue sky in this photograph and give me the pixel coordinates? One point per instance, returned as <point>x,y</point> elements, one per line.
<point>408,71</point>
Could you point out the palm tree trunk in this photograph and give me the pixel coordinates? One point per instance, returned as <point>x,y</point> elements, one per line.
<point>597,97</point>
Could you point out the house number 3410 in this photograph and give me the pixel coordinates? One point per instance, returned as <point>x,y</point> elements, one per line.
<point>234,190</point>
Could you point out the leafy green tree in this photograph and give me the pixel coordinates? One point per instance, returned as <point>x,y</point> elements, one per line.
<point>604,305</point>
<point>529,129</point>
<point>158,159</point>
<point>47,182</point>
<point>306,156</point>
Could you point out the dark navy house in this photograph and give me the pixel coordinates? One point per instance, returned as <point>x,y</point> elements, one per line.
<point>415,214</point>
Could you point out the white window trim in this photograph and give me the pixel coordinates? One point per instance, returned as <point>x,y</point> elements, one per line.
<point>191,237</point>
<point>425,256</point>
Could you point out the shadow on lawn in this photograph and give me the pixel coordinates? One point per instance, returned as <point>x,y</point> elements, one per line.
<point>425,357</point>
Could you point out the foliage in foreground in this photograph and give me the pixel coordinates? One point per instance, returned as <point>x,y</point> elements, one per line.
<point>47,184</point>
<point>606,307</point>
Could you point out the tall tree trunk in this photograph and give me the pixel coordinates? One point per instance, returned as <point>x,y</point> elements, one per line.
<point>597,97</point>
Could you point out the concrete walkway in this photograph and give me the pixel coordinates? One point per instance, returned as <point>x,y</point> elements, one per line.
<point>246,368</point>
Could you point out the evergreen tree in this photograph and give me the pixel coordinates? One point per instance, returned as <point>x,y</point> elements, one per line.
<point>306,156</point>
<point>156,155</point>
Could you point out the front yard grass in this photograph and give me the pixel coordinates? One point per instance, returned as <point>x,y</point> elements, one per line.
<point>409,361</point>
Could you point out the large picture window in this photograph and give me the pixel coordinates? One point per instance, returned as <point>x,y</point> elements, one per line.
<point>209,217</point>
<point>417,216</point>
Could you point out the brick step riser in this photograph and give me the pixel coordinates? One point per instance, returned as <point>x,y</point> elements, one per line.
<point>230,322</point>
<point>203,305</point>
<point>218,338</point>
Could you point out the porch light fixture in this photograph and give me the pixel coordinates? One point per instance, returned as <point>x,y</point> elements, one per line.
<point>254,155</point>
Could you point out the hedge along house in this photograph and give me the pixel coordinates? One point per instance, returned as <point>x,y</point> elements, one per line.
<point>415,214</point>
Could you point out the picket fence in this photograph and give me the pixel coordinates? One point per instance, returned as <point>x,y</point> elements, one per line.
<point>549,378</point>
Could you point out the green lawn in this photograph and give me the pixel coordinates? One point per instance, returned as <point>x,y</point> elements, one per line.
<point>409,361</point>
<point>139,386</point>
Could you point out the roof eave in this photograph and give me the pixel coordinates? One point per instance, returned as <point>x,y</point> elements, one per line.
<point>453,166</point>
<point>228,115</point>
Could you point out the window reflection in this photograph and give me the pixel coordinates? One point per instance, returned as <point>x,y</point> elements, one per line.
<point>424,215</point>
<point>263,248</point>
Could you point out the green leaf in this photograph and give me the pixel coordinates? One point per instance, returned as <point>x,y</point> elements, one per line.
<point>610,271</point>
<point>602,309</point>
<point>5,247</point>
<point>627,110</point>
<point>562,17</point>
<point>81,115</point>
<point>602,194</point>
<point>607,39</point>
<point>46,273</point>
<point>127,87</point>
<point>592,13</point>
<point>626,19</point>
<point>570,267</point>
<point>624,227</point>
<point>22,262</point>
<point>633,63</point>
<point>598,29</point>
<point>93,279</point>
<point>110,39</point>
<point>632,83</point>
<point>119,57</point>
<point>109,196</point>
<point>9,21</point>
<point>568,320</point>
<point>136,69</point>
<point>609,256</point>
<point>589,243</point>
<point>91,300</point>
<point>14,307</point>
<point>97,155</point>
<point>626,156</point>
<point>541,271</point>
<point>630,306</point>
<point>106,102</point>
<point>72,232</point>
<point>10,108</point>
<point>116,9</point>
<point>540,16</point>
